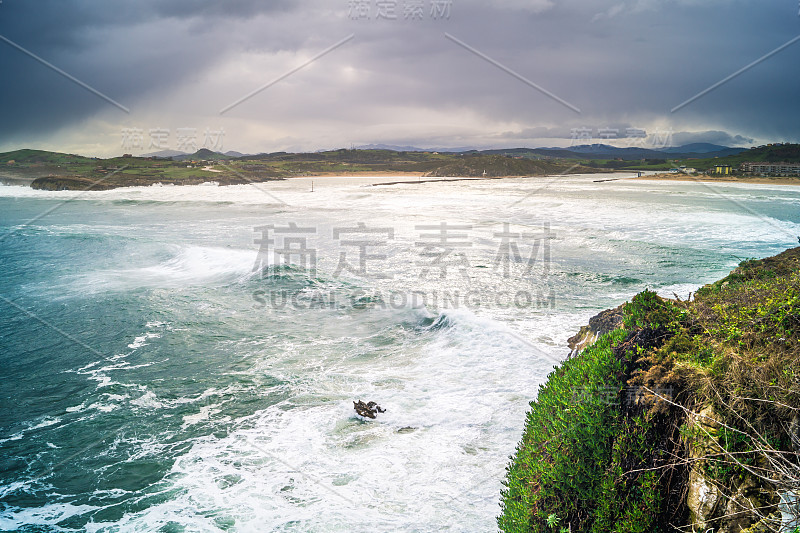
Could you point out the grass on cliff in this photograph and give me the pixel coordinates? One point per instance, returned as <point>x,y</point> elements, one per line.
<point>601,453</point>
<point>584,436</point>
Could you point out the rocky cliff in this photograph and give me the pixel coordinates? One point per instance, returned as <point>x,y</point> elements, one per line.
<point>671,415</point>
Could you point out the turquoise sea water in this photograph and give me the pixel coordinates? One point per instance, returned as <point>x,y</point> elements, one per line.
<point>153,381</point>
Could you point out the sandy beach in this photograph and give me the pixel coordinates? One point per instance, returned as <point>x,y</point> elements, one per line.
<point>722,179</point>
<point>365,174</point>
<point>399,178</point>
<point>372,179</point>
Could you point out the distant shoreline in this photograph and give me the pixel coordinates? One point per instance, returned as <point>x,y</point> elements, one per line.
<point>758,180</point>
<point>361,173</point>
<point>406,178</point>
<point>80,183</point>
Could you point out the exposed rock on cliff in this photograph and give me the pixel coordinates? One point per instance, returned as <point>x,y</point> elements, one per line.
<point>600,324</point>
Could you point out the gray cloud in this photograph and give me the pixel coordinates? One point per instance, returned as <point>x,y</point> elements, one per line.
<point>177,63</point>
<point>713,137</point>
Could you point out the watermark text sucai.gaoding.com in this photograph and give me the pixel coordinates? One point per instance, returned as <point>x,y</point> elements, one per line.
<point>283,299</point>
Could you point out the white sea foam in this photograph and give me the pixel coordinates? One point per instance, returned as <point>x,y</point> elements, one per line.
<point>148,400</point>
<point>37,424</point>
<point>189,266</point>
<point>16,436</point>
<point>47,421</point>
<point>13,487</point>
<point>455,391</point>
<point>140,341</point>
<point>49,515</point>
<point>454,406</point>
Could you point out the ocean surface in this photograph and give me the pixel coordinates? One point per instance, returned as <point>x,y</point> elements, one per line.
<point>186,358</point>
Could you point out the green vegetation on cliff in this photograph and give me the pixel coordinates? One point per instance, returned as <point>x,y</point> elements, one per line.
<point>687,416</point>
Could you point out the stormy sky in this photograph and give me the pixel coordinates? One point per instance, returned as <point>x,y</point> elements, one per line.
<point>103,77</point>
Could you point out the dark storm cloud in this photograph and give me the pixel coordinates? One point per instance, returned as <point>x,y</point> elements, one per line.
<point>630,67</point>
<point>55,23</point>
<point>125,50</point>
<point>622,63</point>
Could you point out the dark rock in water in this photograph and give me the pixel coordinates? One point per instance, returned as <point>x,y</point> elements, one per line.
<point>600,324</point>
<point>69,183</point>
<point>368,410</point>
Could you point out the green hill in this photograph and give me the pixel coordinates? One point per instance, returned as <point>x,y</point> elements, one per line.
<point>775,153</point>
<point>789,153</point>
<point>203,154</point>
<point>41,156</point>
<point>498,165</point>
<point>54,171</point>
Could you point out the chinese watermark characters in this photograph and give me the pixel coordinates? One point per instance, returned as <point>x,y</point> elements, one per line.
<point>636,137</point>
<point>439,251</point>
<point>186,139</point>
<point>404,10</point>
